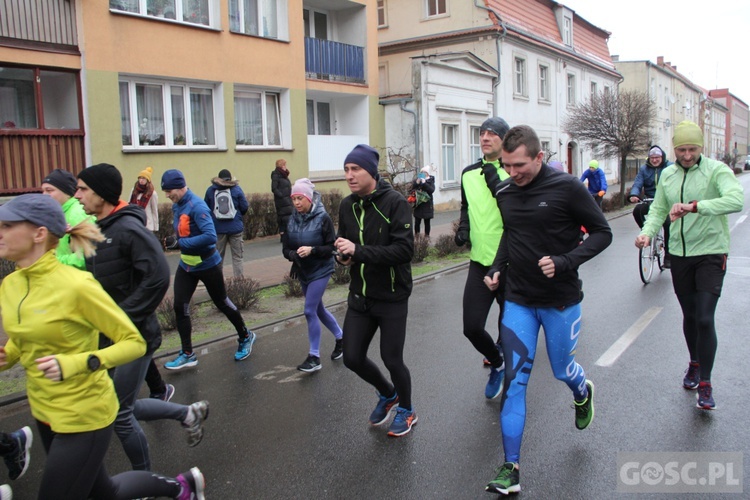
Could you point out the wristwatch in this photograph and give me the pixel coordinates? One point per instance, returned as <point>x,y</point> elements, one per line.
<point>93,362</point>
<point>694,208</point>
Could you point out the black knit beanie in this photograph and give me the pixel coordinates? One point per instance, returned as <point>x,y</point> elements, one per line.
<point>105,180</point>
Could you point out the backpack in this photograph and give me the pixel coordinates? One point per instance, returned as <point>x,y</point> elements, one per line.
<point>224,208</point>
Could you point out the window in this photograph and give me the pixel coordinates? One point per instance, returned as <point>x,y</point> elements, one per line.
<point>382,21</point>
<point>519,84</point>
<point>449,153</point>
<point>35,98</point>
<point>383,79</point>
<point>544,82</point>
<point>258,17</point>
<point>316,24</point>
<point>318,117</point>
<point>168,114</point>
<point>567,31</point>
<point>436,7</point>
<point>187,11</point>
<point>546,149</point>
<point>593,89</point>
<point>571,89</point>
<point>257,118</point>
<point>475,144</point>
<point>607,90</point>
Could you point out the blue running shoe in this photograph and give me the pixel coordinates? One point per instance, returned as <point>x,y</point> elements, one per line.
<point>383,408</point>
<point>495,383</point>
<point>245,346</point>
<point>18,459</point>
<point>402,423</point>
<point>182,361</point>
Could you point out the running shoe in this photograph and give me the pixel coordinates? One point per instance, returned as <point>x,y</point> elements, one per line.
<point>383,408</point>
<point>692,376</point>
<point>585,408</point>
<point>338,351</point>
<point>5,492</point>
<point>193,423</point>
<point>245,346</point>
<point>705,396</point>
<point>182,360</point>
<point>193,484</point>
<point>507,480</point>
<point>18,460</point>
<point>166,395</point>
<point>403,422</point>
<point>311,364</point>
<point>495,383</point>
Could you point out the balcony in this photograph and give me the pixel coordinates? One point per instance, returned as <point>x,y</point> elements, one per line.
<point>334,61</point>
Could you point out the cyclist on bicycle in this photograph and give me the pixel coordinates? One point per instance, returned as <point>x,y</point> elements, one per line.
<point>645,184</point>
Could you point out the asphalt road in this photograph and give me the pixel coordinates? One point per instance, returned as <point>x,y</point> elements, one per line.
<point>276,433</point>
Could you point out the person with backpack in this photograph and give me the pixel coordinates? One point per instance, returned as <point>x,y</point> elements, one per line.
<point>228,204</point>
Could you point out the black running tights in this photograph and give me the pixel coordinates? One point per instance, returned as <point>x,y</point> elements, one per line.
<point>477,303</point>
<point>698,309</point>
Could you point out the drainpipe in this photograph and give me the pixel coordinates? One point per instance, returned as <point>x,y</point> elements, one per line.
<point>498,41</point>
<point>416,131</point>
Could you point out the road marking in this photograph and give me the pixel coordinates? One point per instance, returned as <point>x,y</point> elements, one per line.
<point>627,338</point>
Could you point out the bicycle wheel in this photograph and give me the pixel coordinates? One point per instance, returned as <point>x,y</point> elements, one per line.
<point>646,261</point>
<point>659,248</point>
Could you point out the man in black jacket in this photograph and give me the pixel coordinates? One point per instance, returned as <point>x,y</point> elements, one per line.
<point>131,267</point>
<point>543,211</point>
<point>376,240</point>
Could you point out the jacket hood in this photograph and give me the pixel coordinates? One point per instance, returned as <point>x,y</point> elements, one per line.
<point>317,208</point>
<point>223,184</point>
<point>664,161</point>
<point>125,211</point>
<point>381,187</point>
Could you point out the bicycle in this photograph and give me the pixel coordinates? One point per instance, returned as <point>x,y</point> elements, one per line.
<point>651,254</point>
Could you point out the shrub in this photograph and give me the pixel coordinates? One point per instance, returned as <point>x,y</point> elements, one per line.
<point>166,219</point>
<point>260,219</point>
<point>421,247</point>
<point>166,316</point>
<point>292,287</point>
<point>445,246</point>
<point>614,202</point>
<point>243,292</point>
<point>341,275</point>
<point>331,201</point>
<point>6,267</point>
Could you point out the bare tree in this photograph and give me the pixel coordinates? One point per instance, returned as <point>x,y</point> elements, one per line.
<point>613,125</point>
<point>400,169</point>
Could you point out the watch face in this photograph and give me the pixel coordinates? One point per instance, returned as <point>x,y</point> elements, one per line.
<point>94,363</point>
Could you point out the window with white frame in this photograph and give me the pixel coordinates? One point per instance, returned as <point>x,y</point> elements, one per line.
<point>607,90</point>
<point>475,143</point>
<point>264,18</point>
<point>168,114</point>
<point>316,24</point>
<point>382,20</point>
<point>571,89</point>
<point>318,117</point>
<point>436,7</point>
<point>257,117</point>
<point>519,70</point>
<point>199,12</point>
<point>546,149</point>
<point>567,31</point>
<point>449,150</point>
<point>594,89</point>
<point>544,82</point>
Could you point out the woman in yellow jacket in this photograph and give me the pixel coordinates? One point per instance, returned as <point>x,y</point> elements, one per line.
<point>53,314</point>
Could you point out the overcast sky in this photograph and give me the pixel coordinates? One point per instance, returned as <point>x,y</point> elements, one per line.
<point>708,41</point>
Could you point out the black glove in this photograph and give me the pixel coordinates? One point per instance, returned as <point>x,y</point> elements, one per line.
<point>295,258</point>
<point>293,271</point>
<point>171,243</point>
<point>461,238</point>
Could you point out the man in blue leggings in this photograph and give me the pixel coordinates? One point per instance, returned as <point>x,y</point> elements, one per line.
<point>543,210</point>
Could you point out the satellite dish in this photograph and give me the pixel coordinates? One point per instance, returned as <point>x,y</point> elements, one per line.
<point>671,99</point>
<point>687,105</point>
<point>667,123</point>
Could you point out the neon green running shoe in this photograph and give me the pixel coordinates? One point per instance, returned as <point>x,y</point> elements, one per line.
<point>507,480</point>
<point>585,409</point>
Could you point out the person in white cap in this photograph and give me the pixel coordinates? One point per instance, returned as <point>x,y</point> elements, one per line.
<point>424,208</point>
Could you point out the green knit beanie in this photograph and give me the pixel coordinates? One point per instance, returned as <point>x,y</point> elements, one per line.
<point>687,132</point>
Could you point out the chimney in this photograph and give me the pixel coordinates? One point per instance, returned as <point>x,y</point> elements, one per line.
<point>615,58</point>
<point>660,60</point>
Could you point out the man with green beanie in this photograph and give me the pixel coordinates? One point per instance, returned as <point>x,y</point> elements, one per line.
<point>597,181</point>
<point>60,185</point>
<point>696,193</point>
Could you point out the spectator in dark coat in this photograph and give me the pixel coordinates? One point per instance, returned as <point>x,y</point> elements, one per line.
<point>228,220</point>
<point>424,208</point>
<point>281,187</point>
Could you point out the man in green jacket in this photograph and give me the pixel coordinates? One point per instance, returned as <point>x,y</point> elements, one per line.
<point>481,225</point>
<point>61,186</point>
<point>696,193</point>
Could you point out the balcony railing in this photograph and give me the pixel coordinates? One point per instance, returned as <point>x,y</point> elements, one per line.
<point>334,61</point>
<point>48,22</point>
